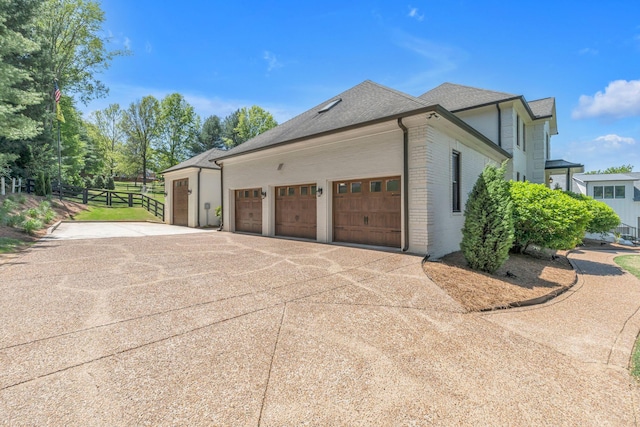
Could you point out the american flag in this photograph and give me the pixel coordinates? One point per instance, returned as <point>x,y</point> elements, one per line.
<point>57,93</point>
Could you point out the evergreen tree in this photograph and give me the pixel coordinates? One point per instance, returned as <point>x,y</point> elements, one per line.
<point>488,229</point>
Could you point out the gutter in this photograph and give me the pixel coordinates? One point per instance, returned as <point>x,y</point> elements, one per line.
<point>221,194</point>
<point>405,186</point>
<point>199,170</point>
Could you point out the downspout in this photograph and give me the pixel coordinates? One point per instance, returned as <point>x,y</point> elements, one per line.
<point>199,170</point>
<point>499,125</point>
<point>221,194</point>
<point>405,186</point>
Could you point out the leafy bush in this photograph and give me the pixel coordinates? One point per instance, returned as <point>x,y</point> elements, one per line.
<point>33,213</point>
<point>98,182</point>
<point>88,182</point>
<point>604,217</point>
<point>487,235</point>
<point>31,225</point>
<point>219,211</point>
<point>40,185</point>
<point>547,218</point>
<point>16,220</point>
<point>111,185</point>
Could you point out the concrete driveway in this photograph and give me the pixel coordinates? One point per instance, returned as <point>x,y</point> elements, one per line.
<point>230,329</point>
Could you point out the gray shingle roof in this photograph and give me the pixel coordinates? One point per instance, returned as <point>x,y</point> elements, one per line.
<point>543,107</point>
<point>455,97</point>
<point>361,104</point>
<point>591,177</point>
<point>202,160</point>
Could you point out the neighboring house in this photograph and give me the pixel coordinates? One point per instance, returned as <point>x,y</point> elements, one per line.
<point>379,167</point>
<point>192,191</point>
<point>621,191</point>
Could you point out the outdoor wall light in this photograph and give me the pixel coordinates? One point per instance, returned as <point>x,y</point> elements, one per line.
<point>319,192</point>
<point>190,191</point>
<point>166,194</point>
<point>550,180</point>
<point>264,194</point>
<point>432,115</point>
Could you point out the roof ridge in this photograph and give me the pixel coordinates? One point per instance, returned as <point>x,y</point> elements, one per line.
<point>398,92</point>
<point>476,88</point>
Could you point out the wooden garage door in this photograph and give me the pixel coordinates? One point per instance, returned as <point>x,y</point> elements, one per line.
<point>249,210</point>
<point>367,211</point>
<point>181,201</point>
<point>296,211</point>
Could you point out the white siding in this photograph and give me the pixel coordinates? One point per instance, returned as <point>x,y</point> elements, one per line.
<point>445,226</point>
<point>627,209</point>
<point>209,193</point>
<point>484,120</point>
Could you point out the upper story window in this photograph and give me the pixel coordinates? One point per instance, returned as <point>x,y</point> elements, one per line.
<point>524,137</point>
<point>518,130</point>
<point>609,192</point>
<point>548,146</point>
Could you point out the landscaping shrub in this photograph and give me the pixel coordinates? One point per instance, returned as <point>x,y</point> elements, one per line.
<point>111,185</point>
<point>546,218</point>
<point>40,185</point>
<point>487,235</point>
<point>98,182</point>
<point>604,217</point>
<point>88,182</point>
<point>31,225</point>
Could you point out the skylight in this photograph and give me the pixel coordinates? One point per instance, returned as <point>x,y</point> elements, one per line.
<point>330,105</point>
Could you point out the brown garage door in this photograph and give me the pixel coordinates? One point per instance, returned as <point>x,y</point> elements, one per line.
<point>181,201</point>
<point>249,210</point>
<point>367,211</point>
<point>296,211</point>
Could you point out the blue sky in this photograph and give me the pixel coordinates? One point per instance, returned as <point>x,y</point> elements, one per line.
<point>290,56</point>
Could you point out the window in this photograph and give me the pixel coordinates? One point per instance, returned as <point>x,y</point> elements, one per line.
<point>342,188</point>
<point>524,178</point>
<point>282,191</point>
<point>375,186</point>
<point>524,137</point>
<point>455,181</point>
<point>291,191</point>
<point>256,193</point>
<point>304,191</point>
<point>313,190</point>
<point>246,194</point>
<point>517,176</point>
<point>548,147</point>
<point>609,192</point>
<point>356,187</point>
<point>597,192</point>
<point>518,131</point>
<point>393,184</point>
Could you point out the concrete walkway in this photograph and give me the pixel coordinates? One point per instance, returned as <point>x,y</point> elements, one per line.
<point>229,329</point>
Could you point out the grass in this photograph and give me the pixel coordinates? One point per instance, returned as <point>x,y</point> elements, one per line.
<point>8,244</point>
<point>96,213</point>
<point>631,263</point>
<point>131,187</point>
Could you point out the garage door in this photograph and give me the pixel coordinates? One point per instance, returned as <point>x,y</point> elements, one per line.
<point>296,211</point>
<point>181,201</point>
<point>249,210</point>
<point>367,211</point>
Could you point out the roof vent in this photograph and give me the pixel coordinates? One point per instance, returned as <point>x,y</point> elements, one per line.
<point>330,105</point>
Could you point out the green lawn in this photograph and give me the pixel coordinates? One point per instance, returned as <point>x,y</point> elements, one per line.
<point>631,263</point>
<point>97,213</point>
<point>155,190</point>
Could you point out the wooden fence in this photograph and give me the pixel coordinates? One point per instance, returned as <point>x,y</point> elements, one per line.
<point>110,198</point>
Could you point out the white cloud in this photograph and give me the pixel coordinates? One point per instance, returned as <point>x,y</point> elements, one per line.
<point>272,61</point>
<point>620,99</point>
<point>613,141</point>
<point>588,51</point>
<point>413,13</point>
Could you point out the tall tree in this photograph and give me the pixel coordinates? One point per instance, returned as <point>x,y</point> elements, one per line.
<point>211,136</point>
<point>179,126</point>
<point>17,90</point>
<point>73,38</point>
<point>141,126</point>
<point>229,133</point>
<point>73,143</point>
<point>252,122</point>
<point>109,135</point>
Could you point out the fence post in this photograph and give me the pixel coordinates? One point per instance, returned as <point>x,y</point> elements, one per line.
<point>19,185</point>
<point>130,200</point>
<point>85,195</point>
<point>2,192</point>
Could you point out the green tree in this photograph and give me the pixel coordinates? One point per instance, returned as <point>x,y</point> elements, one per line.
<point>211,136</point>
<point>488,231</point>
<point>141,126</point>
<point>546,218</point>
<point>72,35</point>
<point>17,90</point>
<point>252,122</point>
<point>613,169</point>
<point>229,132</point>
<point>179,127</point>
<point>73,143</point>
<point>604,218</point>
<point>108,135</point>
